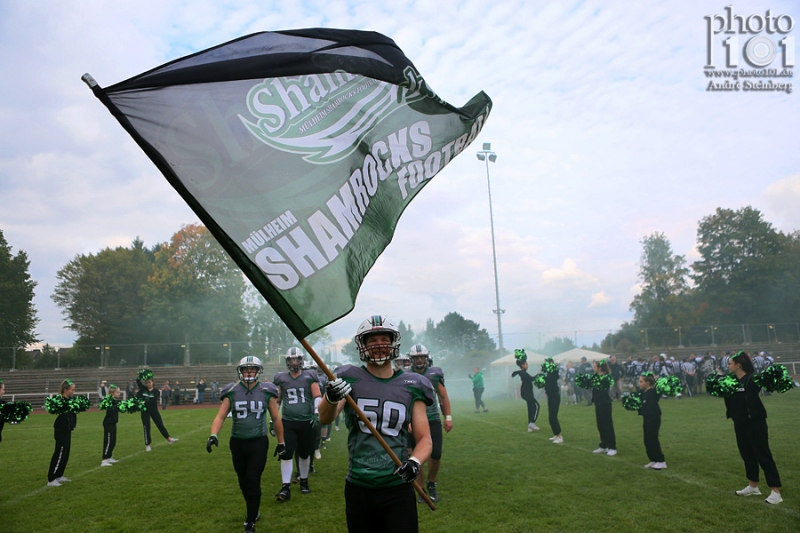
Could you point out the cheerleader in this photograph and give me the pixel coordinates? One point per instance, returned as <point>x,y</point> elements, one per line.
<point>62,433</point>
<point>749,417</point>
<point>602,408</point>
<point>111,405</point>
<point>553,399</point>
<point>526,392</point>
<point>651,421</point>
<point>150,396</point>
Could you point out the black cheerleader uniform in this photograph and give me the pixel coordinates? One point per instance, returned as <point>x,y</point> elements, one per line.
<point>605,424</point>
<point>651,423</point>
<point>62,433</point>
<point>151,399</point>
<point>110,430</point>
<point>526,392</point>
<point>749,417</point>
<point>553,400</point>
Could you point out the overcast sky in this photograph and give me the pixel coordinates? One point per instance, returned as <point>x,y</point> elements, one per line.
<point>603,125</point>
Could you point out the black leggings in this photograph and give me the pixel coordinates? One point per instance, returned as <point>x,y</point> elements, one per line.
<point>605,425</point>
<point>58,463</point>
<point>109,440</point>
<point>156,417</point>
<point>651,425</point>
<point>752,437</point>
<point>299,437</point>
<point>249,459</point>
<point>533,409</point>
<point>478,402</point>
<point>553,403</point>
<point>388,510</point>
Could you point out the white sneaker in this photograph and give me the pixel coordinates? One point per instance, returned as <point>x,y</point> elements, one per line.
<point>558,440</point>
<point>105,462</point>
<point>112,460</point>
<point>554,437</point>
<point>172,440</point>
<point>749,491</point>
<point>659,466</point>
<point>317,455</point>
<point>63,479</point>
<point>601,450</point>
<point>535,427</point>
<point>774,497</point>
<point>148,448</point>
<point>337,428</point>
<point>612,451</point>
<point>650,464</point>
<point>530,429</point>
<point>54,483</point>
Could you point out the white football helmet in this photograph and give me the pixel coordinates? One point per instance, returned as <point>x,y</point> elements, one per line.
<point>420,356</point>
<point>402,363</point>
<point>249,361</point>
<point>294,359</point>
<point>378,353</point>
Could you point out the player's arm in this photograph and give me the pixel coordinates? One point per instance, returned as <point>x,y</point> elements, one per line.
<point>222,414</point>
<point>334,400</point>
<point>444,401</point>
<point>277,422</point>
<point>421,431</point>
<point>315,391</point>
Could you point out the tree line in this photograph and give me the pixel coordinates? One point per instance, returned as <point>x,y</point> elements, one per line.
<point>747,277</point>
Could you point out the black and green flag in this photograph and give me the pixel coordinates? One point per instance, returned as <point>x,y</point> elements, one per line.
<point>299,150</point>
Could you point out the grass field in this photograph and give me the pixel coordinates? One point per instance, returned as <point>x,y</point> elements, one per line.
<point>495,476</point>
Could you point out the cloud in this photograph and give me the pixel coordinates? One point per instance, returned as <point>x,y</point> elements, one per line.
<point>599,298</point>
<point>781,199</point>
<point>568,275</point>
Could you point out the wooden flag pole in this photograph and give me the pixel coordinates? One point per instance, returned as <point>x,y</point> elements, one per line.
<point>352,403</point>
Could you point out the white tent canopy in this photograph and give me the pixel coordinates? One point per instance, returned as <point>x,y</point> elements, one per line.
<point>575,355</point>
<point>510,360</point>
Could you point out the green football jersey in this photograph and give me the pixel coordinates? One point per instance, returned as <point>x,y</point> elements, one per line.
<point>249,408</point>
<point>297,403</point>
<point>435,375</point>
<point>388,404</point>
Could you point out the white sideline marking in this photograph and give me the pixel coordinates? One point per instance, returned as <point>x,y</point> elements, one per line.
<point>91,470</point>
<point>664,473</point>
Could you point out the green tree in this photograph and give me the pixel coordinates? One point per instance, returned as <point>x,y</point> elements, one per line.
<point>462,337</point>
<point>195,293</point>
<point>748,271</point>
<point>17,314</point>
<point>558,345</point>
<point>665,299</point>
<point>100,295</point>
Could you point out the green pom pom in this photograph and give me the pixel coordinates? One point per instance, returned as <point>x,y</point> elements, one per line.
<point>109,402</point>
<point>57,405</point>
<point>145,374</point>
<point>632,401</point>
<point>602,381</point>
<point>79,404</point>
<point>583,381</point>
<point>669,386</point>
<point>15,412</point>
<point>538,381</point>
<point>774,378</point>
<point>133,405</point>
<point>520,355</point>
<point>549,367</point>
<point>721,386</point>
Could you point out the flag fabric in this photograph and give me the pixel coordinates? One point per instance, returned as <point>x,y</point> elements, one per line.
<point>299,150</point>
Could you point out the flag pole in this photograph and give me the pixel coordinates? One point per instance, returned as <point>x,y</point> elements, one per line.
<point>352,403</point>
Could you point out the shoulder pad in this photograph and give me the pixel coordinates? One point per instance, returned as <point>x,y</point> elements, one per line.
<point>344,370</point>
<point>312,374</point>
<point>270,388</point>
<point>226,389</point>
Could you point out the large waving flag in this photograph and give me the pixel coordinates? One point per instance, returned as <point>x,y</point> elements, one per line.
<point>299,150</point>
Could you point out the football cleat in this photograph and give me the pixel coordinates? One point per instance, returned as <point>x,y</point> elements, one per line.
<point>304,488</point>
<point>434,496</point>
<point>285,493</point>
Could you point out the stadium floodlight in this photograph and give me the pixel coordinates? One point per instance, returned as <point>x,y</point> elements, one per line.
<point>487,155</point>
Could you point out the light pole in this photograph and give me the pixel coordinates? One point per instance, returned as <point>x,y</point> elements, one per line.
<point>487,155</point>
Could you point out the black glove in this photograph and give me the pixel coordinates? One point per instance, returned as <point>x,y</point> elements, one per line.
<point>281,452</point>
<point>408,470</point>
<point>337,390</point>
<point>211,440</point>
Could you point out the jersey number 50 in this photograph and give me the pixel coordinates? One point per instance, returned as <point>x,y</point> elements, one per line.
<point>388,420</point>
